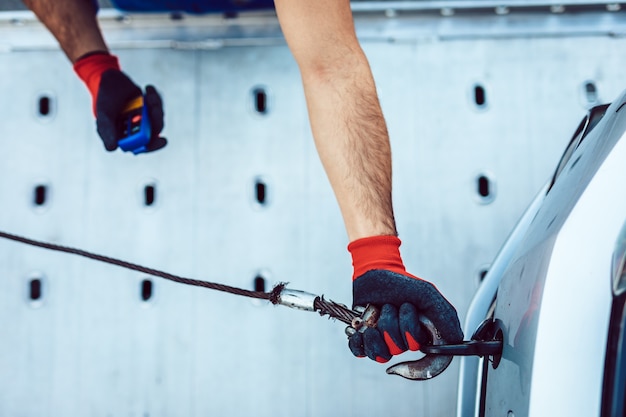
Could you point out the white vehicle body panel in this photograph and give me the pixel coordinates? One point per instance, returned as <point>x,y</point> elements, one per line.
<point>554,296</point>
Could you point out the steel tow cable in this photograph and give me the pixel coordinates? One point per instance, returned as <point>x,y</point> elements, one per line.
<point>278,295</point>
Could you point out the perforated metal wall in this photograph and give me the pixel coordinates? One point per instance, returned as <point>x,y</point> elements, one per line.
<point>479,109</point>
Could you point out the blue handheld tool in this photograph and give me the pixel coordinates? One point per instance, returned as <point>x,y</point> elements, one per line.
<point>134,126</point>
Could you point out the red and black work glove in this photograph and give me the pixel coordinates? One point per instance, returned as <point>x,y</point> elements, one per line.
<point>380,279</point>
<point>111,91</point>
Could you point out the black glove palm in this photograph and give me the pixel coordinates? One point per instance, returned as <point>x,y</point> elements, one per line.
<point>116,90</point>
<point>401,299</point>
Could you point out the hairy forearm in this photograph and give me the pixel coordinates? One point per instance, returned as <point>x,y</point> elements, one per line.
<point>352,141</point>
<point>72,22</point>
<point>346,119</point>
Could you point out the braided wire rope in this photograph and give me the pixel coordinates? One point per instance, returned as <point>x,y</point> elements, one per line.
<point>335,310</point>
<point>322,306</point>
<point>139,268</point>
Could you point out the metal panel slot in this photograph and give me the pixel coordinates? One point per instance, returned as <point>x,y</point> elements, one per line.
<point>260,100</point>
<point>146,290</point>
<point>44,106</point>
<point>35,289</point>
<point>259,283</point>
<point>260,192</point>
<point>40,195</point>
<point>591,92</point>
<point>480,96</point>
<point>483,186</point>
<point>149,195</point>
<point>482,273</point>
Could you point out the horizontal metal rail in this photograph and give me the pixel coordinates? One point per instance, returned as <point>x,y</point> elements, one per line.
<point>376,21</point>
<point>495,5</point>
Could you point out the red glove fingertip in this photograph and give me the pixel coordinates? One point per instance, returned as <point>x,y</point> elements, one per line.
<point>393,348</point>
<point>413,344</point>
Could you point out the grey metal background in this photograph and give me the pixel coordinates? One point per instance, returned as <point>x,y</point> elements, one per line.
<point>92,347</point>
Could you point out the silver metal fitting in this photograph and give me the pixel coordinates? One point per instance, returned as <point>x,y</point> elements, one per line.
<point>297,299</point>
<point>369,318</point>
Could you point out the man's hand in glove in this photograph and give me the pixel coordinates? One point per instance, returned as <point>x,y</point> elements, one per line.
<point>111,91</point>
<point>380,279</point>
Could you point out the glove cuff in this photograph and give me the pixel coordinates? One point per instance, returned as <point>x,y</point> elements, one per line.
<point>376,252</point>
<point>90,68</point>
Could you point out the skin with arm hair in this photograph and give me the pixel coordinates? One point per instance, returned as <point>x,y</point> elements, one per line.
<point>345,115</point>
<point>73,23</point>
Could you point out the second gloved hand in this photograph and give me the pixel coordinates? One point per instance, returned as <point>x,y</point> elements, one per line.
<point>381,280</point>
<point>111,91</point>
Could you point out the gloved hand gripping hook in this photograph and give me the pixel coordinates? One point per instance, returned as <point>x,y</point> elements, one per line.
<point>425,368</point>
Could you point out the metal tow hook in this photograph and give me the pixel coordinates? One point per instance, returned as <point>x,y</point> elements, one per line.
<point>430,365</point>
<point>425,368</point>
<point>422,369</point>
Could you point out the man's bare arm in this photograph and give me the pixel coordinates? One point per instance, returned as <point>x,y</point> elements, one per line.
<point>346,119</point>
<point>72,22</point>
